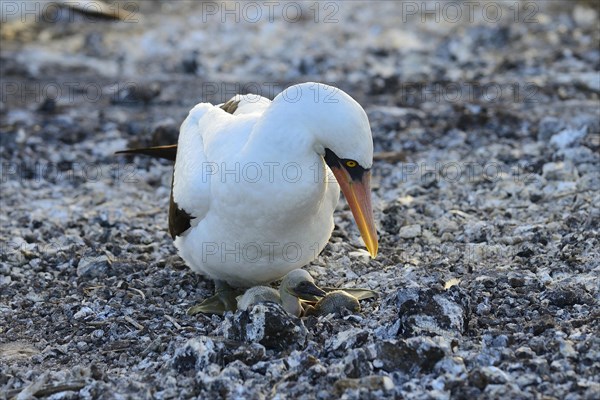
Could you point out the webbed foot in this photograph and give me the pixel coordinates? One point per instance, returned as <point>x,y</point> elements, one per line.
<point>224,300</point>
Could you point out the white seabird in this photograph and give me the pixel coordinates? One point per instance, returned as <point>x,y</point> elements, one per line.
<point>253,193</point>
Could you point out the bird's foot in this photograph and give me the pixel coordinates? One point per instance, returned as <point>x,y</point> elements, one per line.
<point>224,300</point>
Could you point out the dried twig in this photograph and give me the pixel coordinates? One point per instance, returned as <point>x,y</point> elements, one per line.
<point>88,290</point>
<point>138,291</point>
<point>98,323</point>
<point>136,324</point>
<point>52,389</point>
<point>172,320</point>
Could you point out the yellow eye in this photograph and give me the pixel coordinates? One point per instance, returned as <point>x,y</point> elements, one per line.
<point>351,164</point>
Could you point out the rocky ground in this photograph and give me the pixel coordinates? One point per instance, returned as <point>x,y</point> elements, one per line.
<point>486,193</point>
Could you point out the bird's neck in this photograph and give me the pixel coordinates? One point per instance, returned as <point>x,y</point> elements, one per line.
<point>290,303</point>
<point>282,135</point>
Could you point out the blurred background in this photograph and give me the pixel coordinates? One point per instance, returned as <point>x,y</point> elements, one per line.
<point>80,64</point>
<point>486,126</point>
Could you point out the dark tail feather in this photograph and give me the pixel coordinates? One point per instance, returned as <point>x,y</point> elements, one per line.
<point>164,152</point>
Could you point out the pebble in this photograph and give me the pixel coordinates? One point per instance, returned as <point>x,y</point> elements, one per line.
<point>93,267</point>
<point>484,376</point>
<point>567,137</point>
<point>548,127</point>
<point>585,16</point>
<point>83,312</point>
<point>410,231</point>
<point>369,383</point>
<point>196,355</point>
<point>432,311</point>
<point>560,171</point>
<point>412,355</point>
<point>268,324</point>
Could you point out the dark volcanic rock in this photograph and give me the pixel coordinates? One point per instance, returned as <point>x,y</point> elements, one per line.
<point>409,356</point>
<point>433,311</point>
<point>357,364</point>
<point>481,377</point>
<point>369,387</point>
<point>564,296</point>
<point>93,267</point>
<point>268,324</point>
<point>196,355</point>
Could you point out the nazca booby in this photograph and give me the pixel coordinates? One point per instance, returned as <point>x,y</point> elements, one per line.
<point>256,181</point>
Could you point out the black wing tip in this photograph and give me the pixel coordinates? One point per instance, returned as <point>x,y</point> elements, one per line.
<point>179,219</point>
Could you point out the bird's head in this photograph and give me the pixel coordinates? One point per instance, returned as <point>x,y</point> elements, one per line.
<point>341,134</point>
<point>301,284</point>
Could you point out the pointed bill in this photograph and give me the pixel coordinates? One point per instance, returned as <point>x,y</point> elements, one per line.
<point>358,194</point>
<point>307,291</point>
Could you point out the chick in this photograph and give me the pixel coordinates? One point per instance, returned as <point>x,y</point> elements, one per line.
<point>296,285</point>
<point>337,302</point>
<point>257,294</point>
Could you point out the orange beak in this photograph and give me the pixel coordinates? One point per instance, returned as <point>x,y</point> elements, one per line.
<point>358,195</point>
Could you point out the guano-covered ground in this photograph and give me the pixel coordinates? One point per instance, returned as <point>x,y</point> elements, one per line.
<point>486,194</point>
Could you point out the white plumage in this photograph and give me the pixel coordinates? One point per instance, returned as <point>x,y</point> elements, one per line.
<point>257,186</point>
